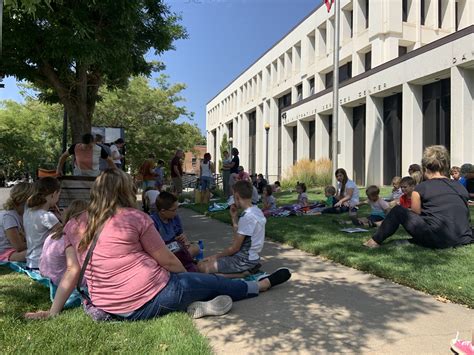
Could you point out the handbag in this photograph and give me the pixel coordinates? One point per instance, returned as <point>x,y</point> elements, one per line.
<point>94,312</point>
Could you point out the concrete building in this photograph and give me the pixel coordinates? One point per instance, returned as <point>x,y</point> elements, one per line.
<point>406,81</point>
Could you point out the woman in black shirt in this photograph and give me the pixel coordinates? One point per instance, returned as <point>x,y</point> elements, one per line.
<point>439,215</point>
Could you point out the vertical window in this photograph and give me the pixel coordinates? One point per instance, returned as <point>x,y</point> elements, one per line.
<point>422,12</point>
<point>328,80</point>
<point>440,13</point>
<point>368,61</point>
<point>311,86</point>
<point>405,10</point>
<point>367,13</point>
<point>456,14</point>
<point>299,92</point>
<point>295,144</point>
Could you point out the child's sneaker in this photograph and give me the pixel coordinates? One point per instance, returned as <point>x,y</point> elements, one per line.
<point>462,347</point>
<point>215,307</point>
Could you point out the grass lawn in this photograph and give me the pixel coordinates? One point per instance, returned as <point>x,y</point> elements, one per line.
<point>447,273</point>
<point>74,332</point>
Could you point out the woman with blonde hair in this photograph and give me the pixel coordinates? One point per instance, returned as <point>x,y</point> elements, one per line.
<point>439,215</point>
<point>131,274</point>
<point>12,236</point>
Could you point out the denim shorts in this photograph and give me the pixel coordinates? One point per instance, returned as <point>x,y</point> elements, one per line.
<point>206,183</point>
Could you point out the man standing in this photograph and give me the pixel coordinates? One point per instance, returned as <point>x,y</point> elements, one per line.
<point>99,140</point>
<point>86,157</point>
<point>115,153</point>
<point>177,172</point>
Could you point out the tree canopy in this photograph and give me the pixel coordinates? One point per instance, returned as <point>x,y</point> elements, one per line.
<point>30,136</point>
<point>30,132</point>
<point>70,48</point>
<point>149,116</point>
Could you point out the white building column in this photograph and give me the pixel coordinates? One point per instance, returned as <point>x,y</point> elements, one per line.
<point>210,144</point>
<point>322,137</point>
<point>244,142</point>
<point>462,115</point>
<point>273,139</point>
<point>302,140</point>
<point>259,141</point>
<point>346,137</point>
<point>374,141</point>
<point>412,125</point>
<point>286,149</point>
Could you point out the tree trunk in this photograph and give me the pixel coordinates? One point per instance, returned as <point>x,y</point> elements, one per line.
<point>78,97</point>
<point>79,121</point>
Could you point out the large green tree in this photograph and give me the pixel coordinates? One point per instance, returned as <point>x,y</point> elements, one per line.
<point>150,117</point>
<point>30,136</point>
<point>70,48</point>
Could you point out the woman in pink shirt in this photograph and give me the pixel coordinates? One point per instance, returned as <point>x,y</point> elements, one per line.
<point>132,275</point>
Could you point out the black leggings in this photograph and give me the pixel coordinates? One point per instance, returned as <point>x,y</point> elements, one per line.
<point>414,224</point>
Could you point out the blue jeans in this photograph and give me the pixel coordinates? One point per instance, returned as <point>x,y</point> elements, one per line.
<point>185,288</point>
<point>206,183</point>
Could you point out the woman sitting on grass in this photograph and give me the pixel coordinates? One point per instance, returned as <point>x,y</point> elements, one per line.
<point>132,275</point>
<point>347,194</point>
<point>12,236</point>
<point>439,215</point>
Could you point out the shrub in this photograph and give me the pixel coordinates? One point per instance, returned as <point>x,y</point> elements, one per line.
<point>311,172</point>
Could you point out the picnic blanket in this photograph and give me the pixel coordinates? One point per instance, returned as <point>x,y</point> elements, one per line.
<point>218,207</point>
<point>297,210</point>
<point>73,301</point>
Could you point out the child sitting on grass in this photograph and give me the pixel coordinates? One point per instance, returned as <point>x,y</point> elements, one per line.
<point>330,194</point>
<point>302,195</point>
<point>277,186</point>
<point>396,191</point>
<point>53,257</point>
<point>248,240</point>
<point>408,185</point>
<point>38,220</point>
<point>379,207</point>
<point>269,201</point>
<point>455,173</point>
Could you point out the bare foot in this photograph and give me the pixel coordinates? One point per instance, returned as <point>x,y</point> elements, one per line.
<point>371,244</point>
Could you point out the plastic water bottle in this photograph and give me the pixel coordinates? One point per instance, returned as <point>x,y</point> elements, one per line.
<point>200,256</point>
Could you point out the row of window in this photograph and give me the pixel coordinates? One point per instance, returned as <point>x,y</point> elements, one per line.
<point>318,43</point>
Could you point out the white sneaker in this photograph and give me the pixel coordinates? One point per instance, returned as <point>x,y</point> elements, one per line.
<point>216,307</point>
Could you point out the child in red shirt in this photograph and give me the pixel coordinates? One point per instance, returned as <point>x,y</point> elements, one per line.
<point>407,185</point>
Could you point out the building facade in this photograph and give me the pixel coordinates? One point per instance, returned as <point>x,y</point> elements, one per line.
<point>406,82</point>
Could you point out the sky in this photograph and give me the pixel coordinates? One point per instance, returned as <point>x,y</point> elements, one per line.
<point>224,38</point>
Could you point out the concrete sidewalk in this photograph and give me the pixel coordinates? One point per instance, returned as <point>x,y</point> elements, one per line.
<point>326,308</point>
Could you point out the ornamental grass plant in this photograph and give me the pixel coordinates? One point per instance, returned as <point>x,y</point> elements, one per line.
<point>311,172</point>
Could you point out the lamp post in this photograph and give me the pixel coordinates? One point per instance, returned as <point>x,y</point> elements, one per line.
<point>267,128</point>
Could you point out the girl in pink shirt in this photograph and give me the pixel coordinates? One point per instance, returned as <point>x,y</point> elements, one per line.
<point>53,257</point>
<point>132,275</point>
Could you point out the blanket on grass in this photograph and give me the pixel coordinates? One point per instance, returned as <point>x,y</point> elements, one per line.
<point>297,210</point>
<point>73,301</point>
